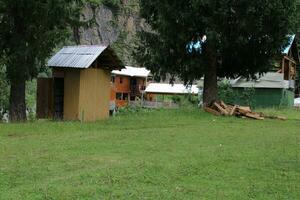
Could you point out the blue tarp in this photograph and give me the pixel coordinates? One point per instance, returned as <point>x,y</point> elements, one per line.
<point>195,46</point>
<point>291,40</point>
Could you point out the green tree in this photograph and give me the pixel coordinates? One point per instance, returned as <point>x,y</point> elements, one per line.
<point>243,37</point>
<point>30,30</point>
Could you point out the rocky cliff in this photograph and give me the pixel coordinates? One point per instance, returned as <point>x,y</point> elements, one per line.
<point>115,25</point>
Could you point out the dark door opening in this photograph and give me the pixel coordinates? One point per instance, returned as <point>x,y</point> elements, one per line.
<point>58,98</point>
<point>133,88</point>
<point>44,104</point>
<point>286,70</point>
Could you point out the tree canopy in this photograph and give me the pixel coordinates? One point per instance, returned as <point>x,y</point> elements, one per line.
<point>243,37</point>
<point>30,30</point>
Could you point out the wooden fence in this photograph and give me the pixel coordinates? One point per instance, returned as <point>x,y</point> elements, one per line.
<point>154,104</point>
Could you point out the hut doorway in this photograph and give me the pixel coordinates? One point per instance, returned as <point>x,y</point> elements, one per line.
<point>58,98</point>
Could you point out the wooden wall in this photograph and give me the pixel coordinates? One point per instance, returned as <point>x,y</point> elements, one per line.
<point>71,94</point>
<point>94,94</point>
<point>120,87</point>
<point>124,87</point>
<point>44,98</point>
<point>86,94</point>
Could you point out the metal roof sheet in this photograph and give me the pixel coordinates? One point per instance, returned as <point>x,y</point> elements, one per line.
<point>269,80</point>
<point>76,56</point>
<point>132,71</point>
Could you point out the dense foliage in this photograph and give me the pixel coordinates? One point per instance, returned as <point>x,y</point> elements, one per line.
<point>30,29</point>
<point>243,37</point>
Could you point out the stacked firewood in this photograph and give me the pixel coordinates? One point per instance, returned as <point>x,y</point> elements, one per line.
<point>220,108</point>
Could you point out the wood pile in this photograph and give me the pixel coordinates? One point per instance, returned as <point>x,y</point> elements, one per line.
<point>220,108</point>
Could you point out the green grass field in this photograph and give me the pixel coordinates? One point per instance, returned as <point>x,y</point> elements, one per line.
<point>167,154</point>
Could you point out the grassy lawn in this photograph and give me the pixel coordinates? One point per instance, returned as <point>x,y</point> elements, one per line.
<point>175,154</point>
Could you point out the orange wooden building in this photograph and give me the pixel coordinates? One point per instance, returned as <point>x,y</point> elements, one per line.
<point>128,85</point>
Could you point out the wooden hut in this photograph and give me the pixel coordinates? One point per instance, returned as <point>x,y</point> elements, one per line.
<point>79,88</point>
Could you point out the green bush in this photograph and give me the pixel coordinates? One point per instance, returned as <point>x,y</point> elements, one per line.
<point>132,110</point>
<point>230,96</point>
<point>31,95</point>
<point>4,92</point>
<point>247,96</point>
<point>226,92</point>
<point>176,99</point>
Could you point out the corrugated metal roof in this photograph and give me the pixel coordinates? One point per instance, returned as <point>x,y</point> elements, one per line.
<point>76,56</point>
<point>269,80</point>
<point>163,88</point>
<point>133,72</point>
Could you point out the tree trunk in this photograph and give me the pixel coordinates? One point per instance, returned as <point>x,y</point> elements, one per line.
<point>210,92</point>
<point>17,107</point>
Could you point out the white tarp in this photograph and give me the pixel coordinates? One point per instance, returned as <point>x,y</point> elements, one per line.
<point>132,72</point>
<point>164,88</point>
<point>297,102</point>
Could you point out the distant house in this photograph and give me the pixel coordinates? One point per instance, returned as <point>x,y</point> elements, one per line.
<point>277,87</point>
<point>79,88</point>
<point>154,90</point>
<point>270,90</point>
<point>127,85</point>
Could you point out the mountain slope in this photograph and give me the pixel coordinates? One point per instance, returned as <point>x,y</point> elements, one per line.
<point>113,24</point>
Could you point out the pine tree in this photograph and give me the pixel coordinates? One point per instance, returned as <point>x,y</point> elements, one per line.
<point>30,30</point>
<point>243,37</point>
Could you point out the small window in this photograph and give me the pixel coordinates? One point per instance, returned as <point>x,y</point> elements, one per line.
<point>125,96</point>
<point>119,96</point>
<point>113,79</point>
<point>121,80</point>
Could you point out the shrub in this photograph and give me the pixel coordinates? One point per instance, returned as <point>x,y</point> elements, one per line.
<point>226,93</point>
<point>4,92</point>
<point>229,95</point>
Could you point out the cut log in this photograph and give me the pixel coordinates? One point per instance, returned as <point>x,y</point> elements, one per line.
<point>282,118</point>
<point>223,105</point>
<point>222,110</point>
<point>233,110</point>
<point>243,110</point>
<point>212,111</point>
<point>239,111</point>
<point>276,117</point>
<point>254,116</point>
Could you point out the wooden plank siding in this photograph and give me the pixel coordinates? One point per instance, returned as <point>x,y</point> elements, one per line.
<point>44,98</point>
<point>71,95</point>
<point>94,94</point>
